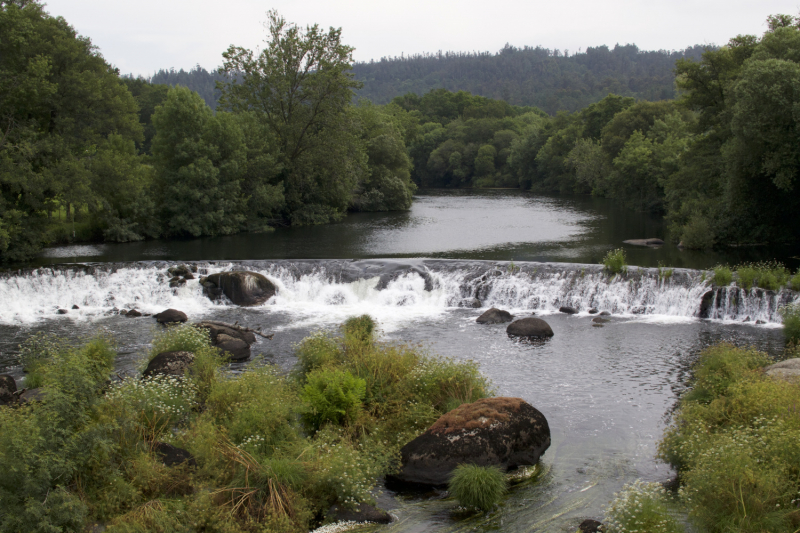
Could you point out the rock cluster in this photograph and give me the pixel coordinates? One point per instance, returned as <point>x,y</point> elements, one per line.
<point>181,274</point>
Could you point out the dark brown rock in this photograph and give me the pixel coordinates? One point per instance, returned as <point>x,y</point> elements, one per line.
<point>592,311</point>
<point>502,432</point>
<point>169,364</point>
<point>171,316</point>
<point>568,310</point>
<point>180,270</point>
<point>706,304</point>
<point>529,327</point>
<point>600,320</point>
<point>605,313</point>
<point>590,526</point>
<point>74,306</point>
<point>233,348</point>
<point>7,389</point>
<point>62,311</point>
<point>172,455</point>
<point>495,316</point>
<point>133,313</point>
<point>362,512</point>
<point>215,329</point>
<point>243,288</point>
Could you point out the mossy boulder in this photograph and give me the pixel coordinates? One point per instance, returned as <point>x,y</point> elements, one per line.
<point>242,288</point>
<point>169,364</point>
<point>502,432</point>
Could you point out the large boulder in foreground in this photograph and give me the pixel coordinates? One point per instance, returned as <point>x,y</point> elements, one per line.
<point>788,370</point>
<point>169,364</point>
<point>530,327</point>
<point>495,316</point>
<point>243,288</point>
<point>502,432</point>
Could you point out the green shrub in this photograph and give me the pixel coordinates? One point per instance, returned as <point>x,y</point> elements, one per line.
<point>359,329</point>
<point>723,276</point>
<point>615,261</point>
<point>319,350</point>
<point>721,366</point>
<point>332,396</point>
<point>641,507</point>
<point>478,487</point>
<point>697,234</point>
<point>794,282</point>
<point>790,315</point>
<point>769,275</point>
<point>35,352</point>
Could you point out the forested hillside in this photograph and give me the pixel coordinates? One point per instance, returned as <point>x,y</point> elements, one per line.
<point>197,79</point>
<point>548,79</point>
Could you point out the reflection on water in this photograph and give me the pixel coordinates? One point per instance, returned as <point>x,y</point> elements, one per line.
<point>458,224</point>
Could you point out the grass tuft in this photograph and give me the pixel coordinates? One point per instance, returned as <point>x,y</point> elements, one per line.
<point>615,261</point>
<point>478,487</point>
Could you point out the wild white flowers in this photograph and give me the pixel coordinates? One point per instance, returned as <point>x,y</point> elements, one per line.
<point>640,507</point>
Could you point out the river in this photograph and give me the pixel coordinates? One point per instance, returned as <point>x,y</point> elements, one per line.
<point>606,391</point>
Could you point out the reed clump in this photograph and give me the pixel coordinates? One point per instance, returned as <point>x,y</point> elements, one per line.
<point>270,452</point>
<point>478,487</point>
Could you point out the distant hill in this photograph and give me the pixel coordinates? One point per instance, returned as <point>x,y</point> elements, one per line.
<point>197,79</point>
<point>527,76</point>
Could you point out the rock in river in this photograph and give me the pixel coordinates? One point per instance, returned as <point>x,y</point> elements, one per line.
<point>502,432</point>
<point>171,316</point>
<point>644,242</point>
<point>169,364</point>
<point>567,309</point>
<point>529,327</point>
<point>243,288</point>
<point>7,389</point>
<point>495,316</point>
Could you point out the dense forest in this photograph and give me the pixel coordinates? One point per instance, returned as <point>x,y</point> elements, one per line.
<point>88,155</point>
<point>551,80</point>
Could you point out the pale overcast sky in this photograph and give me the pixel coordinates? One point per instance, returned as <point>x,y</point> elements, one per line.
<point>143,36</point>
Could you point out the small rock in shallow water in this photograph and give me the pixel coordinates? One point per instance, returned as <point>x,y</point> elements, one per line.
<point>567,309</point>
<point>590,526</point>
<point>75,307</point>
<point>62,311</point>
<point>604,313</point>
<point>133,313</point>
<point>592,311</point>
<point>494,316</point>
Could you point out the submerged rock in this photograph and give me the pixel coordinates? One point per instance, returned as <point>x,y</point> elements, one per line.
<point>180,270</point>
<point>494,316</point>
<point>169,364</point>
<point>243,288</point>
<point>363,512</point>
<point>600,320</point>
<point>171,316</point>
<point>529,327</point>
<point>605,313</point>
<point>470,302</point>
<point>644,242</point>
<point>502,432</point>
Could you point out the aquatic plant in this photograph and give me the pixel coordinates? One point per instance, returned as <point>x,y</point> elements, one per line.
<point>770,275</point>
<point>722,275</point>
<point>615,261</point>
<point>640,506</point>
<point>478,487</point>
<point>664,273</point>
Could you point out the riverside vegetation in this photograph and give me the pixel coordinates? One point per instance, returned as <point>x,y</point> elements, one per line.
<point>273,452</point>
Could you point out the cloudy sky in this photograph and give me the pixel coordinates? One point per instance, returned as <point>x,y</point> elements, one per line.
<point>143,36</point>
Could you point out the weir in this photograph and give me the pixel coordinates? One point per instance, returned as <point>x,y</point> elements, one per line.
<point>390,289</point>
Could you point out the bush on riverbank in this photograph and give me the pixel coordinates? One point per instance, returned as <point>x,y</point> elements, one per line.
<point>734,442</point>
<point>89,451</point>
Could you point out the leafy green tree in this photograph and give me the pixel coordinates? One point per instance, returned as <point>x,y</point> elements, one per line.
<point>387,185</point>
<point>199,158</point>
<point>59,100</point>
<point>300,87</point>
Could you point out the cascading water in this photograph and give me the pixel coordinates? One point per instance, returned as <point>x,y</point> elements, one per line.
<point>395,292</point>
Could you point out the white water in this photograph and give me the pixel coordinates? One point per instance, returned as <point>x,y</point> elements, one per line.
<point>316,296</point>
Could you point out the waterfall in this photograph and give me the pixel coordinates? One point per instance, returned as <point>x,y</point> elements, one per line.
<point>388,289</point>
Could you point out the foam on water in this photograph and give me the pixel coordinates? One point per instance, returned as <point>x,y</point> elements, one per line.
<point>318,293</point>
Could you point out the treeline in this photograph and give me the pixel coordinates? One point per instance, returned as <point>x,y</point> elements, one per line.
<point>720,162</point>
<point>87,154</point>
<point>551,80</point>
<point>197,79</point>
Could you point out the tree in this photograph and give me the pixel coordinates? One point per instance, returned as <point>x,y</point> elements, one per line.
<point>300,87</point>
<point>59,101</point>
<point>199,159</point>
